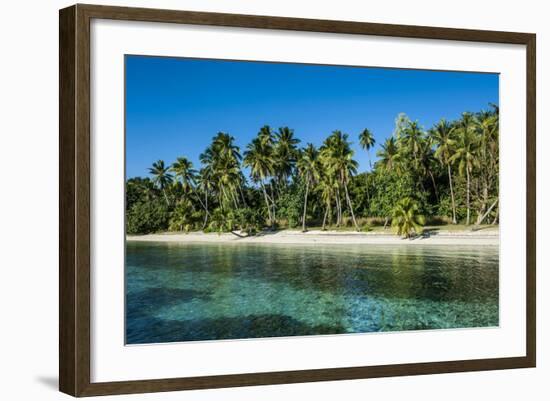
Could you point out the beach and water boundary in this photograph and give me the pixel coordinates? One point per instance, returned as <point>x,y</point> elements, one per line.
<point>481,237</point>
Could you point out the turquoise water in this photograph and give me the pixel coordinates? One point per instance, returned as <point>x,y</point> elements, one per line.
<point>186,292</point>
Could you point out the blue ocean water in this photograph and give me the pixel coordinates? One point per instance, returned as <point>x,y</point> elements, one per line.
<point>188,292</point>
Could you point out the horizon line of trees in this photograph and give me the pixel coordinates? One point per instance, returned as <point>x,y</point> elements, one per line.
<point>446,174</point>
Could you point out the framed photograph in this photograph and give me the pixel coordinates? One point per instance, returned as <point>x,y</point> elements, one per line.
<point>250,200</point>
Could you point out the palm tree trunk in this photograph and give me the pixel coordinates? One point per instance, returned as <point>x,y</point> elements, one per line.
<point>330,214</point>
<point>223,197</point>
<point>305,207</point>
<point>485,198</point>
<point>350,207</point>
<point>325,217</point>
<point>367,186</point>
<point>202,203</point>
<point>273,203</point>
<point>370,164</point>
<point>480,220</point>
<point>338,209</point>
<point>235,203</point>
<point>452,192</point>
<point>165,197</point>
<point>467,196</point>
<point>242,195</point>
<point>268,206</point>
<point>433,184</point>
<point>206,210</point>
<point>496,217</point>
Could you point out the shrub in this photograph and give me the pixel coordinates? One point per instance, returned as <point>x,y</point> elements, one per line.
<point>376,221</point>
<point>406,217</point>
<point>365,228</point>
<point>438,220</point>
<point>147,217</point>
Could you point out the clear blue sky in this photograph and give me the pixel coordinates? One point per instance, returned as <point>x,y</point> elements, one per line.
<point>174,106</point>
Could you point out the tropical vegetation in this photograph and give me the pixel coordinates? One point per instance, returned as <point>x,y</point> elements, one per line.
<point>446,174</point>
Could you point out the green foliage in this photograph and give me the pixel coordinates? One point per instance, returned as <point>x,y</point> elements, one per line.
<point>250,221</point>
<point>147,217</point>
<point>389,188</point>
<point>139,190</point>
<point>366,228</point>
<point>406,218</point>
<point>183,218</point>
<point>290,205</point>
<point>220,222</point>
<point>450,170</point>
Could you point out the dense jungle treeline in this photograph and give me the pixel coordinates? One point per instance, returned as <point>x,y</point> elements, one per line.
<point>447,174</point>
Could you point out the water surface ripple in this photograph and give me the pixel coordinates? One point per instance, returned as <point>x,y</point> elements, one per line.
<point>185,292</point>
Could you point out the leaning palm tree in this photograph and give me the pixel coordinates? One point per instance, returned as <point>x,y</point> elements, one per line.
<point>308,168</point>
<point>466,153</point>
<point>258,157</point>
<point>487,127</point>
<point>161,177</point>
<point>337,157</point>
<point>406,218</point>
<point>441,134</point>
<point>367,141</point>
<point>184,173</point>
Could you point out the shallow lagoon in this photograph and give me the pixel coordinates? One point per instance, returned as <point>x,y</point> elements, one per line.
<point>185,292</point>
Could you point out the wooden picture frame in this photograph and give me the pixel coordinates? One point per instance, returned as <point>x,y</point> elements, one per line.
<point>74,203</point>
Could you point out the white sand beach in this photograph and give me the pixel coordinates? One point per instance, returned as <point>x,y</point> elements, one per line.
<point>481,237</point>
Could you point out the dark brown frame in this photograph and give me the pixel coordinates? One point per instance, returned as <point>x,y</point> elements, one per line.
<point>74,199</point>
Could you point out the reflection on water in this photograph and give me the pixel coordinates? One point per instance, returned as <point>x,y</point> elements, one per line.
<point>185,292</point>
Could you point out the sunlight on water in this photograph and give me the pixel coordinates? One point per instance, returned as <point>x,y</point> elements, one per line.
<point>184,292</point>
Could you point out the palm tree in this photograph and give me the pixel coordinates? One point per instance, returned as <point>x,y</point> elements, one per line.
<point>223,159</point>
<point>229,179</point>
<point>338,159</point>
<point>412,138</point>
<point>466,153</point>
<point>426,161</point>
<point>401,123</point>
<point>487,126</point>
<point>161,177</point>
<point>308,168</point>
<point>259,158</point>
<point>266,135</point>
<point>224,145</point>
<point>285,154</point>
<point>228,159</point>
<point>267,139</point>
<point>389,154</point>
<point>327,188</point>
<point>367,141</point>
<point>406,218</point>
<point>205,185</point>
<point>184,173</point>
<point>441,134</point>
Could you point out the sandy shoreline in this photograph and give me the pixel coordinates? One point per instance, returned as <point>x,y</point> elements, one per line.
<point>482,237</point>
